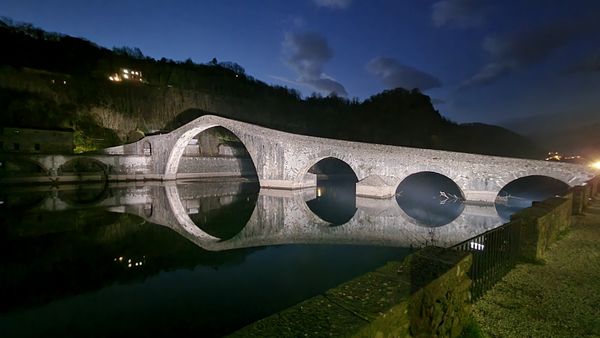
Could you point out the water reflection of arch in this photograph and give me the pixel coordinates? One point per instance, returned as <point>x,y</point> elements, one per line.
<point>281,217</point>
<point>447,172</point>
<point>433,199</point>
<point>198,229</point>
<point>85,194</point>
<point>178,149</point>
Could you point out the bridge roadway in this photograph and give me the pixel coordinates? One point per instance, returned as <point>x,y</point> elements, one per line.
<point>282,161</point>
<point>282,217</point>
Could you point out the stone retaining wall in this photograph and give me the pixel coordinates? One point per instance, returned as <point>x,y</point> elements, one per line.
<point>541,225</point>
<point>425,295</point>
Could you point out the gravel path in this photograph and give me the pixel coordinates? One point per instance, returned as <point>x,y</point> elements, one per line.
<point>560,298</point>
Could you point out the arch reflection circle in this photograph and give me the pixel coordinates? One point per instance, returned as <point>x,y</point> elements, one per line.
<point>219,209</point>
<point>431,199</point>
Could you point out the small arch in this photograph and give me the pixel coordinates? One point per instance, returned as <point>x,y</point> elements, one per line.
<point>520,193</point>
<point>79,165</point>
<point>314,160</point>
<point>21,166</point>
<point>147,148</point>
<point>335,200</point>
<point>430,198</point>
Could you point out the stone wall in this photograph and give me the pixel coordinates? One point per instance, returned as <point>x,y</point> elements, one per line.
<point>425,295</point>
<point>225,166</point>
<point>541,225</point>
<point>22,140</point>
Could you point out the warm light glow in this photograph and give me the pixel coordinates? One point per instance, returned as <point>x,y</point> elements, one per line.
<point>319,192</point>
<point>126,71</point>
<point>114,78</point>
<point>595,165</point>
<point>125,76</point>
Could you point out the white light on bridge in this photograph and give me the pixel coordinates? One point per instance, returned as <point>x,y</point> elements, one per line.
<point>319,193</point>
<point>477,246</point>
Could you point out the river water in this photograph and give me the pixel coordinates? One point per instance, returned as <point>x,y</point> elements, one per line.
<point>199,258</point>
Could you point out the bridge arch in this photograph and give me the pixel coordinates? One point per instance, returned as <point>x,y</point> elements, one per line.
<point>335,200</point>
<point>560,175</point>
<point>193,129</point>
<point>15,166</point>
<point>316,158</point>
<point>80,165</point>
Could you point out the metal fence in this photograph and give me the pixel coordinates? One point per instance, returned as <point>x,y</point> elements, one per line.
<point>494,253</point>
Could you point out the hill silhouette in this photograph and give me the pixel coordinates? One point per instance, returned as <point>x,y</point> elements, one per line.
<point>49,80</point>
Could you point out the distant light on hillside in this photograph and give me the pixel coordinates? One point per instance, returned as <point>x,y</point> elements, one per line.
<point>126,75</point>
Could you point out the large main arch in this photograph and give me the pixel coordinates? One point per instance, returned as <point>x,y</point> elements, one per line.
<point>172,164</point>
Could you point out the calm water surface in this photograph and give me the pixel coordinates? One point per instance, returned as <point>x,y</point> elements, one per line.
<point>202,258</point>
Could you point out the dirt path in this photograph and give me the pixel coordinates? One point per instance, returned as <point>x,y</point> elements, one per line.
<point>560,298</point>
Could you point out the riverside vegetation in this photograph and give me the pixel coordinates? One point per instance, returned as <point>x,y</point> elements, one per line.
<point>50,80</point>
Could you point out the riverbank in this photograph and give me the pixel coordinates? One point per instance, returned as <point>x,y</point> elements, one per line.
<point>556,298</point>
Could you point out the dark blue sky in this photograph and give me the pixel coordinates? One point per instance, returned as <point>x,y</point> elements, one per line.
<point>483,60</point>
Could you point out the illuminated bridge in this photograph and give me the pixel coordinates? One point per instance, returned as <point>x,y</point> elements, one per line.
<point>282,161</point>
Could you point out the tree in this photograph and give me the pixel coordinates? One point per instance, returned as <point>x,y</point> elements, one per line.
<point>236,68</point>
<point>134,52</point>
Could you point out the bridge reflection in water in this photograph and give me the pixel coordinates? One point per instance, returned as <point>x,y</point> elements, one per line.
<point>218,255</point>
<point>230,215</point>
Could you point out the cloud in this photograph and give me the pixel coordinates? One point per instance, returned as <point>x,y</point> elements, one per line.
<point>462,13</point>
<point>589,64</point>
<point>333,4</point>
<point>393,74</point>
<point>518,49</point>
<point>306,53</point>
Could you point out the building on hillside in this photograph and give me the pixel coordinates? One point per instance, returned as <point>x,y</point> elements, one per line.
<point>22,140</point>
<point>125,74</point>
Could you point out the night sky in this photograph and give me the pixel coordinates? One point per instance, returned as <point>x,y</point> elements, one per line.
<point>488,61</point>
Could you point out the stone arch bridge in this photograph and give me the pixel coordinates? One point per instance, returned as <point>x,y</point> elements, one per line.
<point>282,161</point>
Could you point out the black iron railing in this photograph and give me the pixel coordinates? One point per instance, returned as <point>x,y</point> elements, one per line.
<point>494,253</point>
